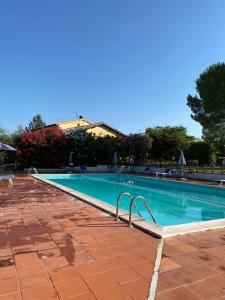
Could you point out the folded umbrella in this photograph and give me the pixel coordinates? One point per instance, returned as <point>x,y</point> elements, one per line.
<point>115,159</point>
<point>182,162</point>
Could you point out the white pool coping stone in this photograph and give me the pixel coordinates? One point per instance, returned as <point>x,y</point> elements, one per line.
<point>154,229</point>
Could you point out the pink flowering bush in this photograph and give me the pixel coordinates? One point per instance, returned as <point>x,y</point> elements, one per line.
<point>45,147</point>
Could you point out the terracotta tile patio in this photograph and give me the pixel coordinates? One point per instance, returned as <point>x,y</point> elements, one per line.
<point>193,267</point>
<point>53,246</point>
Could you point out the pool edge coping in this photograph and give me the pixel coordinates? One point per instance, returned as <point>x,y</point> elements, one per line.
<point>154,229</point>
<point>156,270</point>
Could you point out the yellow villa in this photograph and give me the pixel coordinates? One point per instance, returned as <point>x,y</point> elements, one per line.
<point>97,129</point>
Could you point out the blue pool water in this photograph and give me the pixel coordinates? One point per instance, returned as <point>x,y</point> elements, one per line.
<point>171,202</point>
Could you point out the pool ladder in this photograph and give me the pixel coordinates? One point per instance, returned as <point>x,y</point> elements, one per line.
<point>132,203</point>
<point>32,169</point>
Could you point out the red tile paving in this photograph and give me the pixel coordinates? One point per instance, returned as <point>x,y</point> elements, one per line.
<point>193,267</point>
<point>53,246</point>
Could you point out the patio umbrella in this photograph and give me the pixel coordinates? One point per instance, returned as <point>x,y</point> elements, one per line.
<point>5,148</point>
<point>71,159</point>
<point>182,162</point>
<point>115,159</point>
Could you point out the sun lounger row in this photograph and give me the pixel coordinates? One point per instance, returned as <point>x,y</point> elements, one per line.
<point>156,171</point>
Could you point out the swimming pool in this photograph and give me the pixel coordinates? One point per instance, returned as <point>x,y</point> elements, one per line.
<point>172,203</point>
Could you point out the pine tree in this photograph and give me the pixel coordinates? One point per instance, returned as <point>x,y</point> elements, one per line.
<point>36,123</point>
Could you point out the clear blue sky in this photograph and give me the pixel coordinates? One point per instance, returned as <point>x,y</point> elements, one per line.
<point>126,62</point>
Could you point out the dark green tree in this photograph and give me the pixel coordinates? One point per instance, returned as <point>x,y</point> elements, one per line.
<point>91,150</point>
<point>36,123</point>
<point>4,136</point>
<point>168,141</point>
<point>135,148</point>
<point>10,139</point>
<point>200,151</point>
<point>16,134</point>
<point>208,105</point>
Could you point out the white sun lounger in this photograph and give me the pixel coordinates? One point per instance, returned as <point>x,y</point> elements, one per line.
<point>9,178</point>
<point>221,181</point>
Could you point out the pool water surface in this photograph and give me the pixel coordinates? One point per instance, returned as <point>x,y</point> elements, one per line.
<point>171,202</point>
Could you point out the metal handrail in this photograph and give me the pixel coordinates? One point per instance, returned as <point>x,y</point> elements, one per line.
<point>118,204</point>
<point>146,205</point>
<point>32,169</point>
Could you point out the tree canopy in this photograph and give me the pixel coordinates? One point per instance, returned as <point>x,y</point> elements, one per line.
<point>200,151</point>
<point>10,139</point>
<point>36,123</point>
<point>89,149</point>
<point>168,141</point>
<point>135,148</point>
<point>4,136</point>
<point>43,148</point>
<point>208,105</point>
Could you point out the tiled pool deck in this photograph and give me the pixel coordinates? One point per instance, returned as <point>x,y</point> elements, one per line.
<point>193,267</point>
<point>53,246</point>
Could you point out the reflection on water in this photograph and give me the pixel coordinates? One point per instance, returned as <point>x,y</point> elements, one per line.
<point>215,213</point>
